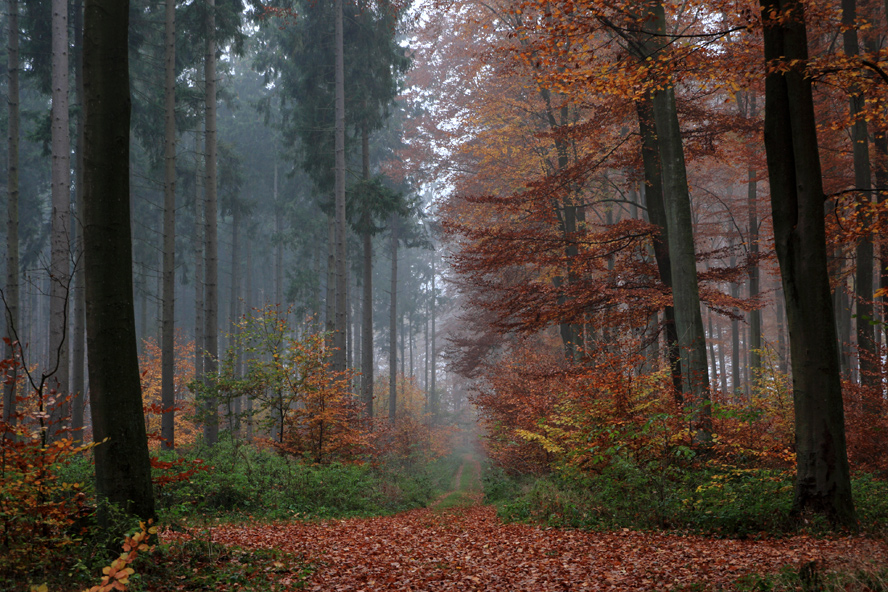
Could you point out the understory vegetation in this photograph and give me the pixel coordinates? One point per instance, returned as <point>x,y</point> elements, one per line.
<point>231,482</point>
<point>707,499</point>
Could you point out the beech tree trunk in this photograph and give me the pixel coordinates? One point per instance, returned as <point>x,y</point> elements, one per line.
<point>11,293</point>
<point>823,481</point>
<point>123,472</point>
<point>752,231</point>
<point>868,364</point>
<point>60,251</point>
<point>168,274</point>
<point>653,196</point>
<point>211,302</point>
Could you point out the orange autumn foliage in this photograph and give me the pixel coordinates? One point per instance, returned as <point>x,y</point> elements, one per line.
<point>187,430</point>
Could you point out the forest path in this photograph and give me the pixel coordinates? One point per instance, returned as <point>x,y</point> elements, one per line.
<point>466,490</point>
<point>460,544</point>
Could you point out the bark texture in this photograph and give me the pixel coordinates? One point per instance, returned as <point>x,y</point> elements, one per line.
<point>822,479</point>
<point>123,473</point>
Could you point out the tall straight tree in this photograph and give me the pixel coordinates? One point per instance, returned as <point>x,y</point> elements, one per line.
<point>866,334</point>
<point>167,332</point>
<point>393,323</point>
<point>59,264</point>
<point>11,293</point>
<point>677,203</point>
<point>123,471</point>
<point>339,335</point>
<point>823,482</point>
<point>211,296</point>
<point>78,309</point>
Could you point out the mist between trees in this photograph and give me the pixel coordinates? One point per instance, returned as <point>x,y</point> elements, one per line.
<point>600,235</point>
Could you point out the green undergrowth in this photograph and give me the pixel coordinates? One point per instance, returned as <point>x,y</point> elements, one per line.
<point>244,482</point>
<point>716,501</point>
<point>240,483</point>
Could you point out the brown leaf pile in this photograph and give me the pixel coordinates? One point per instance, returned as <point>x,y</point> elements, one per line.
<point>470,549</point>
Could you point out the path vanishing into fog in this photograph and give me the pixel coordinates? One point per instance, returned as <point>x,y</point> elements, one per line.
<point>459,544</point>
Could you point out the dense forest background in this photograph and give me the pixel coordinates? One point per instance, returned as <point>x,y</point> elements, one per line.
<point>628,246</point>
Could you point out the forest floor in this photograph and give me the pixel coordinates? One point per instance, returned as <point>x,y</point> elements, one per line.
<point>459,544</point>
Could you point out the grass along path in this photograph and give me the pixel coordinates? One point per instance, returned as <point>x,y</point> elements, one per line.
<point>466,486</point>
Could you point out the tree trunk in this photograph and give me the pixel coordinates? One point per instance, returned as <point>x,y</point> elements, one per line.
<point>393,322</point>
<point>367,362</point>
<point>60,252</point>
<point>11,293</point>
<point>211,304</point>
<point>279,245</point>
<point>168,338</point>
<point>78,311</point>
<point>736,357</point>
<point>248,305</point>
<point>823,481</point>
<point>866,339</point>
<point>653,196</point>
<point>199,319</point>
<point>123,472</point>
<point>752,231</point>
<point>677,204</point>
<point>234,348</point>
<point>339,336</point>
<point>433,388</point>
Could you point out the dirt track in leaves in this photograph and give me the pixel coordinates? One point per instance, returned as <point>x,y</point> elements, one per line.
<point>467,548</point>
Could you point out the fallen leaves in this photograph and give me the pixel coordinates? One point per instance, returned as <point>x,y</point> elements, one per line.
<point>470,549</point>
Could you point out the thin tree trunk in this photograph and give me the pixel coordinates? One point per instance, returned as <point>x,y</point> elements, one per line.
<point>168,339</point>
<point>367,363</point>
<point>393,322</point>
<point>433,388</point>
<point>279,244</point>
<point>234,348</point>
<point>60,252</point>
<point>339,337</point>
<point>755,316</point>
<point>211,333</point>
<point>78,311</point>
<point>248,304</point>
<point>11,293</point>
<point>721,359</point>
<point>867,357</point>
<point>199,319</point>
<point>823,482</point>
<point>123,473</point>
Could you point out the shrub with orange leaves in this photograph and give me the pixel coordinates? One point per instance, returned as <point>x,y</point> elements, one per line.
<point>37,510</point>
<point>150,366</point>
<point>117,574</point>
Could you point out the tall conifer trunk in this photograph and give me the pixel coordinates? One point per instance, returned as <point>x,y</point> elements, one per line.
<point>167,338</point>
<point>367,362</point>
<point>123,472</point>
<point>211,302</point>
<point>78,309</point>
<point>60,251</point>
<point>339,335</point>
<point>11,293</point>
<point>393,323</point>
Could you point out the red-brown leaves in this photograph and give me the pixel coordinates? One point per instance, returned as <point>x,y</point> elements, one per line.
<point>471,550</point>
